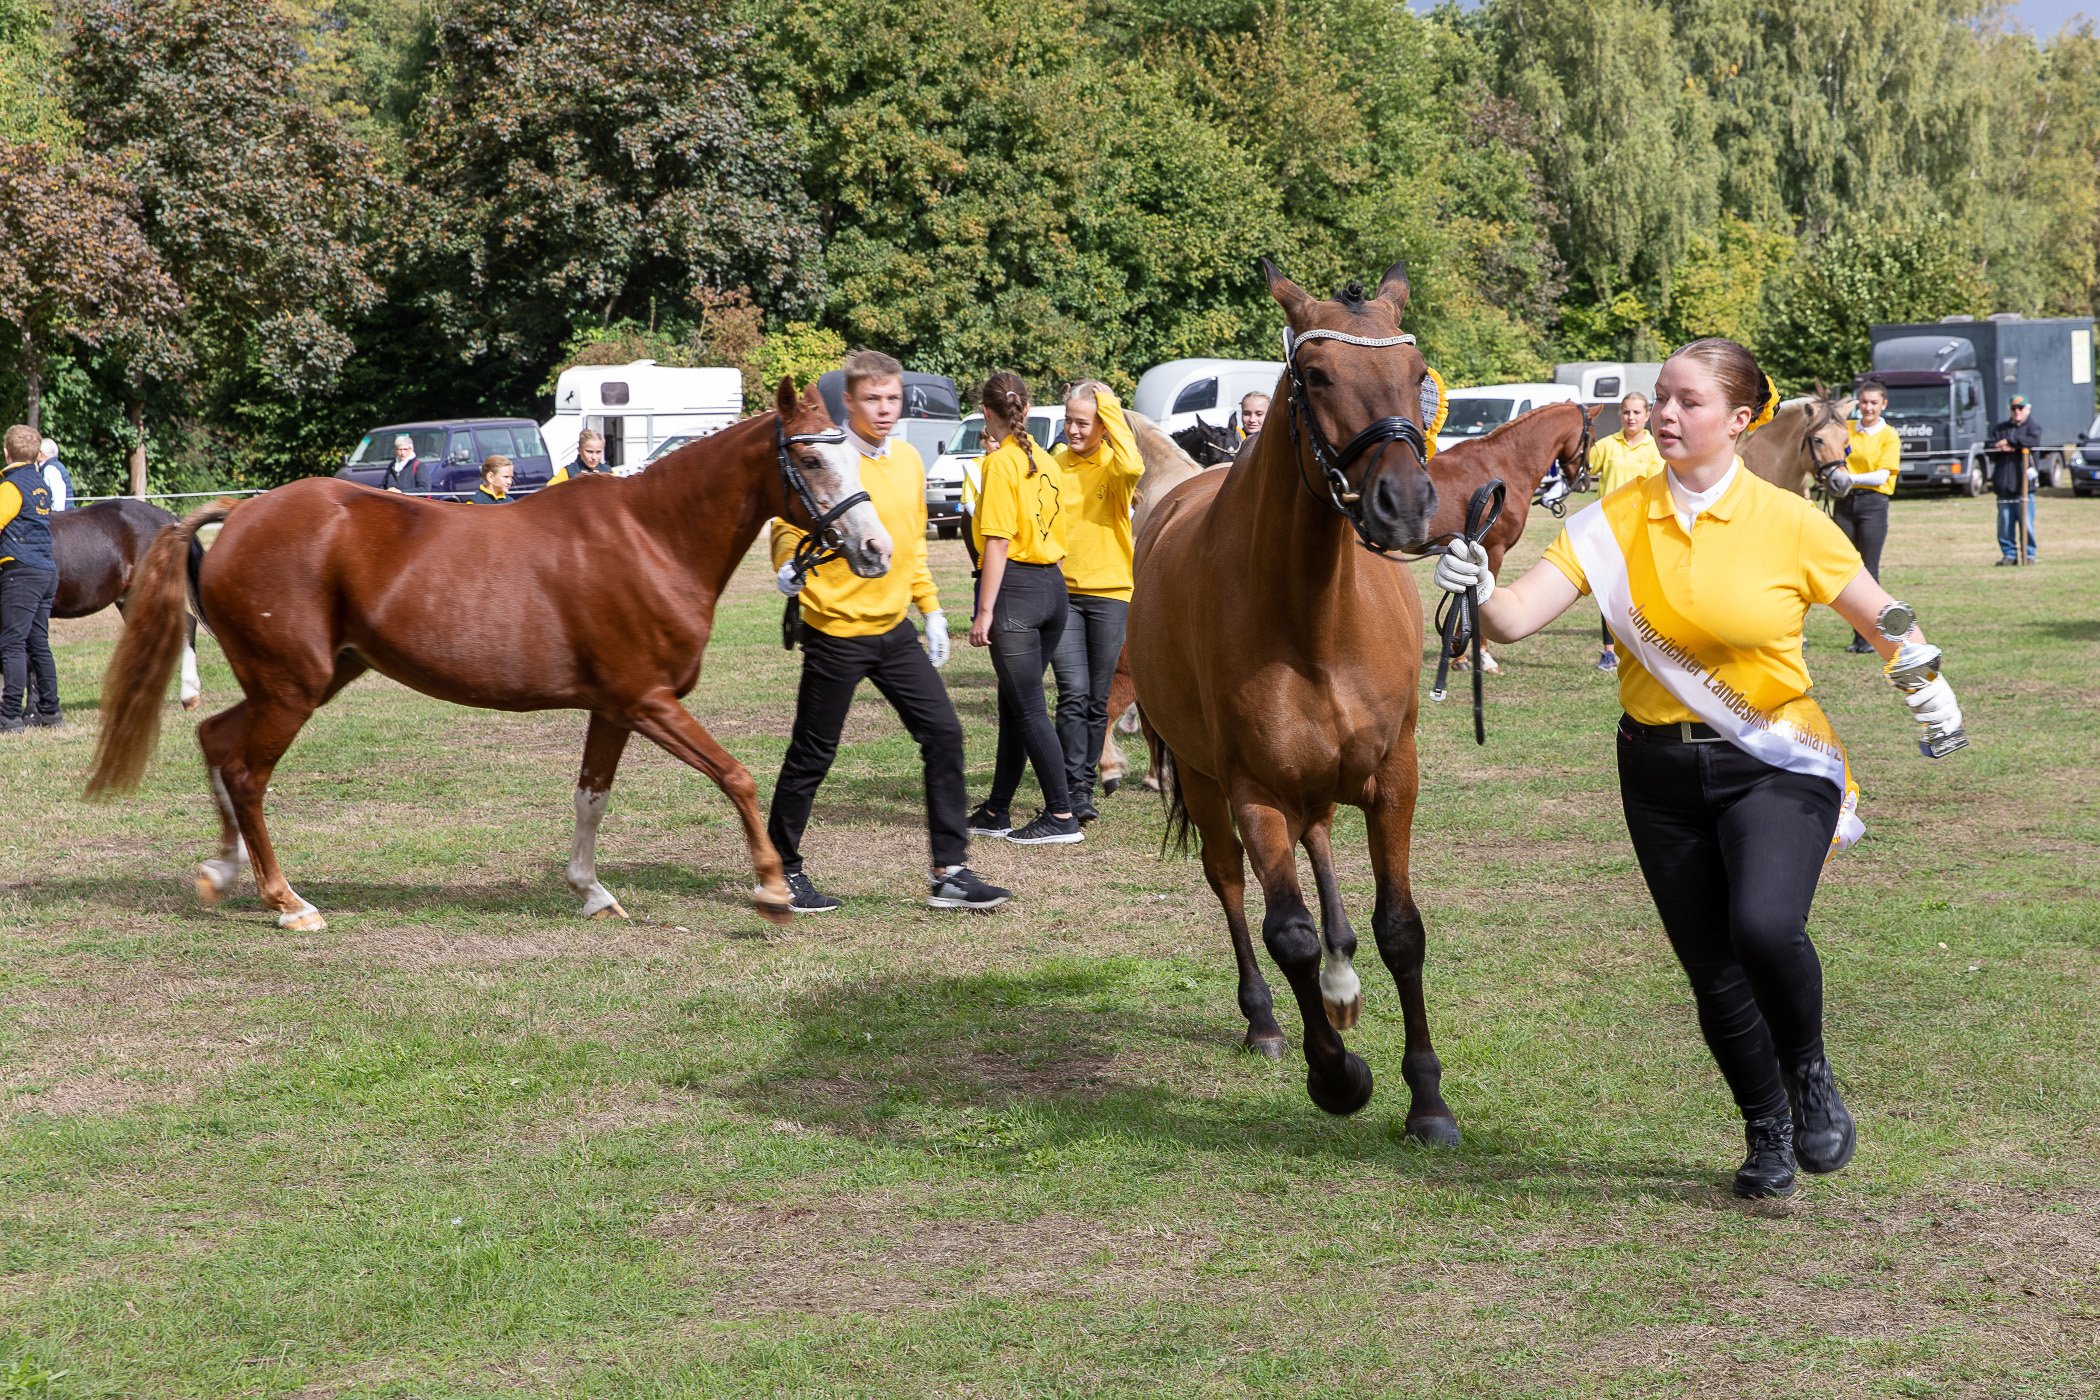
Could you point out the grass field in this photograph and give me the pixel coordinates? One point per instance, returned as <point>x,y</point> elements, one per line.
<point>465,1144</point>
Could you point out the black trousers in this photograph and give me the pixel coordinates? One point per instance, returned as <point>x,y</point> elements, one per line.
<point>832,668</point>
<point>26,596</point>
<point>1732,849</point>
<point>1864,517</point>
<point>1085,666</point>
<point>1028,620</point>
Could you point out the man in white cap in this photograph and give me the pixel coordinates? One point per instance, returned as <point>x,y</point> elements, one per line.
<point>55,475</point>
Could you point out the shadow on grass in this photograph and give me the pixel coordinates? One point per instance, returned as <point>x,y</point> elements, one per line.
<point>2068,629</point>
<point>1007,1067</point>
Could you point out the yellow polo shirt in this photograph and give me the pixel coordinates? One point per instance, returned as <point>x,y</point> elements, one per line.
<point>1879,450</point>
<point>1025,511</point>
<point>838,602</point>
<point>1098,489</point>
<point>1615,461</point>
<point>1732,593</point>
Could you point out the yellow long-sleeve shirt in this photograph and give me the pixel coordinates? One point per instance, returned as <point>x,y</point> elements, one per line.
<point>838,602</point>
<point>1875,451</point>
<point>1097,490</point>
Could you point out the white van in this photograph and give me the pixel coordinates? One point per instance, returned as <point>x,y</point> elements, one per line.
<point>1177,393</point>
<point>1479,411</point>
<point>963,461</point>
<point>637,406</point>
<point>1600,384</point>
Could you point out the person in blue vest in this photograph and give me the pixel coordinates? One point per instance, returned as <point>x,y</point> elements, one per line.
<point>56,476</point>
<point>28,585</point>
<point>496,472</point>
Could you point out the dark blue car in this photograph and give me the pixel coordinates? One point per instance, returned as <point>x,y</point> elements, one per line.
<point>451,450</point>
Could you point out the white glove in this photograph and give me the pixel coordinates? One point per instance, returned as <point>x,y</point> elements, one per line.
<point>937,639</point>
<point>1465,566</point>
<point>1934,706</point>
<point>787,581</point>
<point>1554,490</point>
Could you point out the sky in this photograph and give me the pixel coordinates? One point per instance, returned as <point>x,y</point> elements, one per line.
<point>2043,17</point>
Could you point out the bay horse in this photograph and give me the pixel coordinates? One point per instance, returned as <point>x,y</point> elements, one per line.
<point>1806,437</point>
<point>1522,452</point>
<point>1277,662</point>
<point>311,584</point>
<point>98,549</point>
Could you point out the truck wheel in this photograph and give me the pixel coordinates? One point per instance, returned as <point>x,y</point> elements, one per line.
<point>2053,470</point>
<point>1972,481</point>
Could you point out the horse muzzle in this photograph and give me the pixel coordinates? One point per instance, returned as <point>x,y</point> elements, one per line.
<point>1396,507</point>
<point>864,543</point>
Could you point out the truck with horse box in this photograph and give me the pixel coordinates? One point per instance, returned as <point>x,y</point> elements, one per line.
<point>1950,380</point>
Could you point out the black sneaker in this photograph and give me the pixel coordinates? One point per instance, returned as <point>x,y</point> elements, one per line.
<point>1769,1169</point>
<point>13,726</point>
<point>1860,647</point>
<point>986,821</point>
<point>804,898</point>
<point>54,720</point>
<point>961,889</point>
<point>1824,1135</point>
<point>1047,830</point>
<point>1084,813</point>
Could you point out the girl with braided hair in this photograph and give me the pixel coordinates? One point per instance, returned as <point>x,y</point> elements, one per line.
<point>1735,787</point>
<point>1019,529</point>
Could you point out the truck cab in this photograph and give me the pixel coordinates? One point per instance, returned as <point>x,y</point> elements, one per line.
<point>1950,381</point>
<point>1936,407</point>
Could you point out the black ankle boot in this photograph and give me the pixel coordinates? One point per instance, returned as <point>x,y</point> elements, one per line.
<point>1824,1136</point>
<point>1769,1169</point>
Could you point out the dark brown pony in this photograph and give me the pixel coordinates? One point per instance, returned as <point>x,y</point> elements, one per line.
<point>98,549</point>
<point>1277,662</point>
<point>611,582</point>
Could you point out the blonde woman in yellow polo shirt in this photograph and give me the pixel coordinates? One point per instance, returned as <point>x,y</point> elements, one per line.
<point>1734,785</point>
<point>1019,527</point>
<point>855,629</point>
<point>1625,457</point>
<point>1875,458</point>
<point>1099,467</point>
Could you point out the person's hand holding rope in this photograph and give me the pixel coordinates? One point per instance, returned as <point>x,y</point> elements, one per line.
<point>1463,567</point>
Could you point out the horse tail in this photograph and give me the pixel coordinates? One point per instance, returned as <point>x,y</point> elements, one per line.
<point>162,593</point>
<point>1169,775</point>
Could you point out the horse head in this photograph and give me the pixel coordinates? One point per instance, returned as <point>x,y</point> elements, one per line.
<point>1357,410</point>
<point>812,445</point>
<point>1806,437</point>
<point>1210,444</point>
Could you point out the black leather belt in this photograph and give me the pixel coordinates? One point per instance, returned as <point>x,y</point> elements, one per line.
<point>1684,732</point>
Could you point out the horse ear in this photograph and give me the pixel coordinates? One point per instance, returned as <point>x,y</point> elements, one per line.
<point>1289,295</point>
<point>786,398</point>
<point>1395,288</point>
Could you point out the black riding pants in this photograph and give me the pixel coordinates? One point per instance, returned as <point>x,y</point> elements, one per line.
<point>26,596</point>
<point>1028,620</point>
<point>1864,517</point>
<point>1732,848</point>
<point>832,668</point>
<point>1085,666</point>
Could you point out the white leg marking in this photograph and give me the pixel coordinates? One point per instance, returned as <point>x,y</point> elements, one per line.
<point>305,918</point>
<point>1128,723</point>
<point>1339,985</point>
<point>191,686</point>
<point>217,876</point>
<point>583,857</point>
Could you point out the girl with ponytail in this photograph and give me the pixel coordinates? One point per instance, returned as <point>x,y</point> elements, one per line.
<point>1735,787</point>
<point>1019,530</point>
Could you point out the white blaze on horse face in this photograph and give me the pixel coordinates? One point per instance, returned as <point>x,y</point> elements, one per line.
<point>583,856</point>
<point>868,545</point>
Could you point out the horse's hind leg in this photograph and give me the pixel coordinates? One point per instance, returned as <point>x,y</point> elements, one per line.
<point>602,746</point>
<point>1336,1079</point>
<point>241,749</point>
<point>1401,943</point>
<point>1341,993</point>
<point>192,691</point>
<point>671,727</point>
<point>1224,865</point>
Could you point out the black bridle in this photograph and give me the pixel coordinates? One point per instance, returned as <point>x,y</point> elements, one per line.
<point>825,540</point>
<point>1820,467</point>
<point>1576,478</point>
<point>1374,439</point>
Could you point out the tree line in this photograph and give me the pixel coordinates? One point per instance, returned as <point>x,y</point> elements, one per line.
<point>237,235</point>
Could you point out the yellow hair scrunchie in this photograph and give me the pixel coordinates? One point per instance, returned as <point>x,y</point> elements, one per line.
<point>1434,421</point>
<point>1771,406</point>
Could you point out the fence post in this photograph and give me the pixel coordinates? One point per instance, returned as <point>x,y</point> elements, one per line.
<point>2020,529</point>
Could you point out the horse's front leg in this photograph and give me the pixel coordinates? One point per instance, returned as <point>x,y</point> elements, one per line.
<point>1401,942</point>
<point>1341,993</point>
<point>1337,1079</point>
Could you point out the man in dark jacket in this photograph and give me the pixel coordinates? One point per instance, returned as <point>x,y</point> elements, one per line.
<point>2013,444</point>
<point>28,585</point>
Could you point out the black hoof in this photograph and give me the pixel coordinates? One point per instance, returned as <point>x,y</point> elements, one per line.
<point>1345,1091</point>
<point>1109,786</point>
<point>1433,1132</point>
<point>1269,1047</point>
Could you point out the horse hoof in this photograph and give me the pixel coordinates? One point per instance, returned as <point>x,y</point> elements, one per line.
<point>1433,1132</point>
<point>1150,783</point>
<point>771,907</point>
<point>1344,1092</point>
<point>610,911</point>
<point>192,702</point>
<point>208,891</point>
<point>1109,786</point>
<point>307,920</point>
<point>1269,1047</point>
<point>1343,1015</point>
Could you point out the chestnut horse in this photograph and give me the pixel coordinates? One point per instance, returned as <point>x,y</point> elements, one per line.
<point>1277,661</point>
<point>610,585</point>
<point>98,549</point>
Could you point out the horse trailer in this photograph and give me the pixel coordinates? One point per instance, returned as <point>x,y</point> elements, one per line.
<point>635,407</point>
<point>1177,394</point>
<point>1950,381</point>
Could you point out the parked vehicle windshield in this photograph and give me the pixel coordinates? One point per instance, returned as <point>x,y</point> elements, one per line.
<point>1472,417</point>
<point>670,445</point>
<point>971,438</point>
<point>1910,402</point>
<point>377,449</point>
<point>511,442</point>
